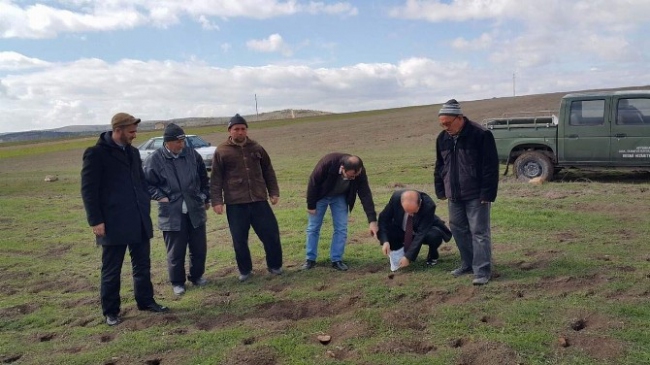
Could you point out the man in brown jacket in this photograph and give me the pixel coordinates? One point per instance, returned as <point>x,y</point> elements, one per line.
<point>243,178</point>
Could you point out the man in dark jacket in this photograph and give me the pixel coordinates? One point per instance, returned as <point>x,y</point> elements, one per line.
<point>242,174</point>
<point>117,204</point>
<point>336,181</point>
<point>178,180</point>
<point>467,174</point>
<point>407,222</point>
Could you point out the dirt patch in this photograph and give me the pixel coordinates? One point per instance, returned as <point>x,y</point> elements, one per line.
<point>249,355</point>
<point>408,318</point>
<point>345,330</point>
<point>487,353</point>
<point>18,310</point>
<point>207,323</point>
<point>404,346</point>
<point>63,285</point>
<point>147,320</point>
<point>598,347</point>
<point>567,237</point>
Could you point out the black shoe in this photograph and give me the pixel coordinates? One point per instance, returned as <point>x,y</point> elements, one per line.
<point>154,307</point>
<point>309,264</point>
<point>339,265</point>
<point>432,262</point>
<point>112,319</point>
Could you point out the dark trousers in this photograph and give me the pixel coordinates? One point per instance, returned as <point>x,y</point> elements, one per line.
<point>177,243</point>
<point>260,216</point>
<point>112,260</point>
<point>433,239</point>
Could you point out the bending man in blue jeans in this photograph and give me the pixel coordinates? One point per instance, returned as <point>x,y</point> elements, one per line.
<point>336,181</point>
<point>467,175</point>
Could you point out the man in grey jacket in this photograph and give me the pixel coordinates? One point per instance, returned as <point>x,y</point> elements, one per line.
<point>177,179</point>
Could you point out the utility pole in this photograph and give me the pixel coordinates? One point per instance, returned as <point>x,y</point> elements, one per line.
<point>256,112</point>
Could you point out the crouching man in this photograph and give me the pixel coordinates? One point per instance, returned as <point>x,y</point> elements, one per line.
<point>407,222</point>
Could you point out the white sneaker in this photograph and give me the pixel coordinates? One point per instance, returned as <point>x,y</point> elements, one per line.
<point>244,277</point>
<point>178,289</point>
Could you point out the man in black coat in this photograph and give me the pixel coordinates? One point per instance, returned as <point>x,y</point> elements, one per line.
<point>467,176</point>
<point>117,204</point>
<point>407,222</point>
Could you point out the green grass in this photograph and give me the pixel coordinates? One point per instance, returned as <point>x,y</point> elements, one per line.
<point>562,251</point>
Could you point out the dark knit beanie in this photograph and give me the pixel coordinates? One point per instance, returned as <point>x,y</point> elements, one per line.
<point>173,133</point>
<point>451,107</point>
<point>237,119</point>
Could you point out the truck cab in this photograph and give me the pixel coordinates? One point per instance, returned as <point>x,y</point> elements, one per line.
<point>605,129</point>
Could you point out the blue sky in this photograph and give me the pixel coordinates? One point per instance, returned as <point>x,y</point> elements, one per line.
<point>66,62</point>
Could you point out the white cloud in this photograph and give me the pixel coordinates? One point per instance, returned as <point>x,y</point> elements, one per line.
<point>226,47</point>
<point>71,16</point>
<point>206,24</point>
<point>89,91</point>
<point>274,43</point>
<point>482,42</point>
<point>13,61</point>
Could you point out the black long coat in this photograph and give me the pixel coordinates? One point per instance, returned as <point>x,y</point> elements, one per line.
<point>114,192</point>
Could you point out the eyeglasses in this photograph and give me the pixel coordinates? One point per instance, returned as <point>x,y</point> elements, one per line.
<point>448,122</point>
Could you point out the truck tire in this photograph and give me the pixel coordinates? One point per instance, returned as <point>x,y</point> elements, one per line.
<point>533,164</point>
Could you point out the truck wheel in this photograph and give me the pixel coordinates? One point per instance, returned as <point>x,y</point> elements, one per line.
<point>533,164</point>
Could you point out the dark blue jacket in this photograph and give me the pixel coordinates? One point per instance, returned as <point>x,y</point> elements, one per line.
<point>114,192</point>
<point>467,168</point>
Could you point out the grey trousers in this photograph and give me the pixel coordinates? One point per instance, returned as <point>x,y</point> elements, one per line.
<point>177,244</point>
<point>470,225</point>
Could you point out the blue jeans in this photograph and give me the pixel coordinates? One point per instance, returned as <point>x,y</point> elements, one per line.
<point>339,207</point>
<point>470,225</point>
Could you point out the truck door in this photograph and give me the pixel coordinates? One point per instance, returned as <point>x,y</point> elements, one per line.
<point>586,137</point>
<point>630,141</point>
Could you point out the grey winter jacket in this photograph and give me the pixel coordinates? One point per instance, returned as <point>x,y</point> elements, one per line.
<point>178,179</point>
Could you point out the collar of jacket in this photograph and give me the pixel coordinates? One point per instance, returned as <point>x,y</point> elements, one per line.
<point>168,155</point>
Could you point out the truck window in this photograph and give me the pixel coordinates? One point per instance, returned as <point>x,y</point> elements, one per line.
<point>633,111</point>
<point>587,112</point>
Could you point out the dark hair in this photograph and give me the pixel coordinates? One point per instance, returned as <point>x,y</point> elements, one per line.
<point>352,163</point>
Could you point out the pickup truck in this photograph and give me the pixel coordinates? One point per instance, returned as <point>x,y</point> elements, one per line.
<point>609,129</point>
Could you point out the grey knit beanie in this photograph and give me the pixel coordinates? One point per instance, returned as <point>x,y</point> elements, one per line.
<point>451,107</point>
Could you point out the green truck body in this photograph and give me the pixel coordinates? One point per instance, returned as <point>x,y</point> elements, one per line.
<point>595,129</point>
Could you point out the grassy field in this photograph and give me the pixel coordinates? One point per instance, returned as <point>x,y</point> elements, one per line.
<point>571,286</point>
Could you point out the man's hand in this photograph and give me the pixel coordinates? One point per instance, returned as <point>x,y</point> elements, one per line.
<point>275,200</point>
<point>163,200</point>
<point>311,211</point>
<point>404,262</point>
<point>99,230</point>
<point>218,208</point>
<point>385,248</point>
<point>373,229</point>
<point>443,198</point>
